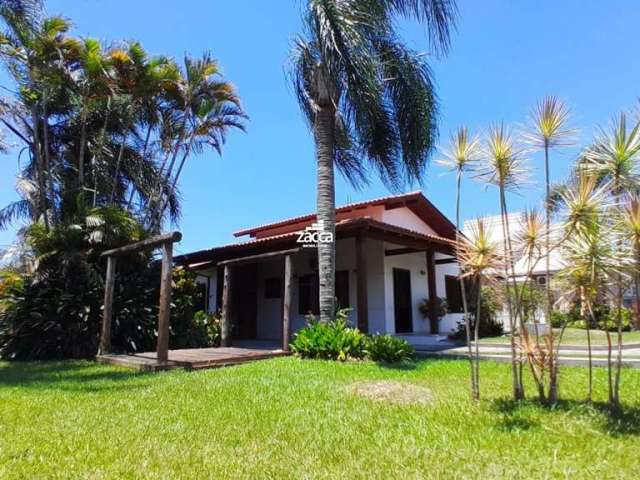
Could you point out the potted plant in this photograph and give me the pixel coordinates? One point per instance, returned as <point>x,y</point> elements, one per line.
<point>439,308</point>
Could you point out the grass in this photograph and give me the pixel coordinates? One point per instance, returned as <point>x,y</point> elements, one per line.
<point>288,418</point>
<point>578,336</point>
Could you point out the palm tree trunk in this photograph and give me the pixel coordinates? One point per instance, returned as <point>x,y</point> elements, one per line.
<point>547,233</point>
<point>467,321</point>
<point>609,366</point>
<point>47,157</point>
<point>117,171</point>
<point>583,301</point>
<point>514,361</point>
<point>83,141</point>
<point>40,180</point>
<point>324,134</point>
<point>476,331</point>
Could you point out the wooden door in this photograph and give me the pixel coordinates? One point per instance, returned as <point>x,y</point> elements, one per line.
<point>402,300</point>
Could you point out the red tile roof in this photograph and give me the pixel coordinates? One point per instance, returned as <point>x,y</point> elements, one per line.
<point>416,201</point>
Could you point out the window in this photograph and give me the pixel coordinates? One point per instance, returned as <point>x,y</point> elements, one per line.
<point>342,288</point>
<point>308,292</point>
<point>454,294</point>
<point>272,288</point>
<point>308,295</point>
<point>542,281</point>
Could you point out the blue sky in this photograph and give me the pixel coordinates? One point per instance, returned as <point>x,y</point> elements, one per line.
<point>504,57</point>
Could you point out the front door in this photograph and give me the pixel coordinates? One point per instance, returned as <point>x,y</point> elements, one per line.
<point>402,300</point>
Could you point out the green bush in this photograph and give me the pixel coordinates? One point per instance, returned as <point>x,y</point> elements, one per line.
<point>560,319</point>
<point>390,349</point>
<point>333,340</point>
<point>489,326</point>
<point>610,322</point>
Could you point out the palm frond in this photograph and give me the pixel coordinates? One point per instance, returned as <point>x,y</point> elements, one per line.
<point>548,126</point>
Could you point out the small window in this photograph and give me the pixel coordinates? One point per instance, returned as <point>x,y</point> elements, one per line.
<point>542,281</point>
<point>342,288</point>
<point>454,294</point>
<point>272,288</point>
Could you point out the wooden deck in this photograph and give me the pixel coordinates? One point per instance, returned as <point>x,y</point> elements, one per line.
<point>197,358</point>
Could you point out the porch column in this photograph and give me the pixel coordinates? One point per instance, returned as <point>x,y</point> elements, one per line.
<point>361,278</point>
<point>225,321</point>
<point>431,287</point>
<point>162,350</point>
<point>286,310</point>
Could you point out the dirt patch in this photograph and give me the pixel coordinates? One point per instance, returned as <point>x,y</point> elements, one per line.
<point>393,392</point>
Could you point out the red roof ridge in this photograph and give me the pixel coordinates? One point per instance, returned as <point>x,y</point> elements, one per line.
<point>310,216</point>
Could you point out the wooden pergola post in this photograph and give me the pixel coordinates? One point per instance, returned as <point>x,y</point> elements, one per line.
<point>164,314</point>
<point>286,310</point>
<point>362,288</point>
<point>107,312</point>
<point>431,286</point>
<point>225,321</point>
<point>165,241</point>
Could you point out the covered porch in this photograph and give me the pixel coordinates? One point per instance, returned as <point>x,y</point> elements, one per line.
<point>265,288</point>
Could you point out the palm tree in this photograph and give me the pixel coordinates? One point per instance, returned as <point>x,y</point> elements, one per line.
<point>504,168</point>
<point>480,260</point>
<point>614,156</point>
<point>549,130</point>
<point>204,109</point>
<point>369,100</point>
<point>461,157</point>
<point>630,228</point>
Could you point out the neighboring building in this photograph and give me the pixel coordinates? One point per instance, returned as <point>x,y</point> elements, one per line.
<point>391,254</point>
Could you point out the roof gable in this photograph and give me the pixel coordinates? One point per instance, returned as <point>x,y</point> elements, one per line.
<point>411,210</point>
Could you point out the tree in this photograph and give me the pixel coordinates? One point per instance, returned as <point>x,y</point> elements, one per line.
<point>614,157</point>
<point>480,259</point>
<point>461,157</point>
<point>369,100</point>
<point>504,168</point>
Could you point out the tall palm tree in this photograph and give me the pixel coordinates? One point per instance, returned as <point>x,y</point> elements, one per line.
<point>549,130</point>
<point>369,100</point>
<point>204,108</point>
<point>481,259</point>
<point>615,156</point>
<point>460,157</point>
<point>504,168</point>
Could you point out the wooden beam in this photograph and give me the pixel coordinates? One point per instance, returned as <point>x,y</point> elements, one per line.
<point>444,261</point>
<point>362,287</point>
<point>286,311</point>
<point>152,242</point>
<point>164,315</point>
<point>261,256</point>
<point>107,313</point>
<point>225,321</point>
<point>431,287</point>
<point>402,251</point>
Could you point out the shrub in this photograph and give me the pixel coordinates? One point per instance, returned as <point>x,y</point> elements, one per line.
<point>387,348</point>
<point>610,322</point>
<point>333,340</point>
<point>559,319</point>
<point>489,326</point>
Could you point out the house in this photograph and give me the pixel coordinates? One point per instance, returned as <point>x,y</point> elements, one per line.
<point>392,253</point>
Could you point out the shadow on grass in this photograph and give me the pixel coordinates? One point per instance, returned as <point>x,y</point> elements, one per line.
<point>77,376</point>
<point>623,421</point>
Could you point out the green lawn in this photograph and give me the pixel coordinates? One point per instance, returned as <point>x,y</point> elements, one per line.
<point>578,336</point>
<point>288,418</point>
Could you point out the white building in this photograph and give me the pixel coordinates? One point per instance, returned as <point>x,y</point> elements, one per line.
<point>392,253</point>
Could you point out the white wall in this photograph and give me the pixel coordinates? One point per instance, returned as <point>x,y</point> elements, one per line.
<point>405,218</point>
